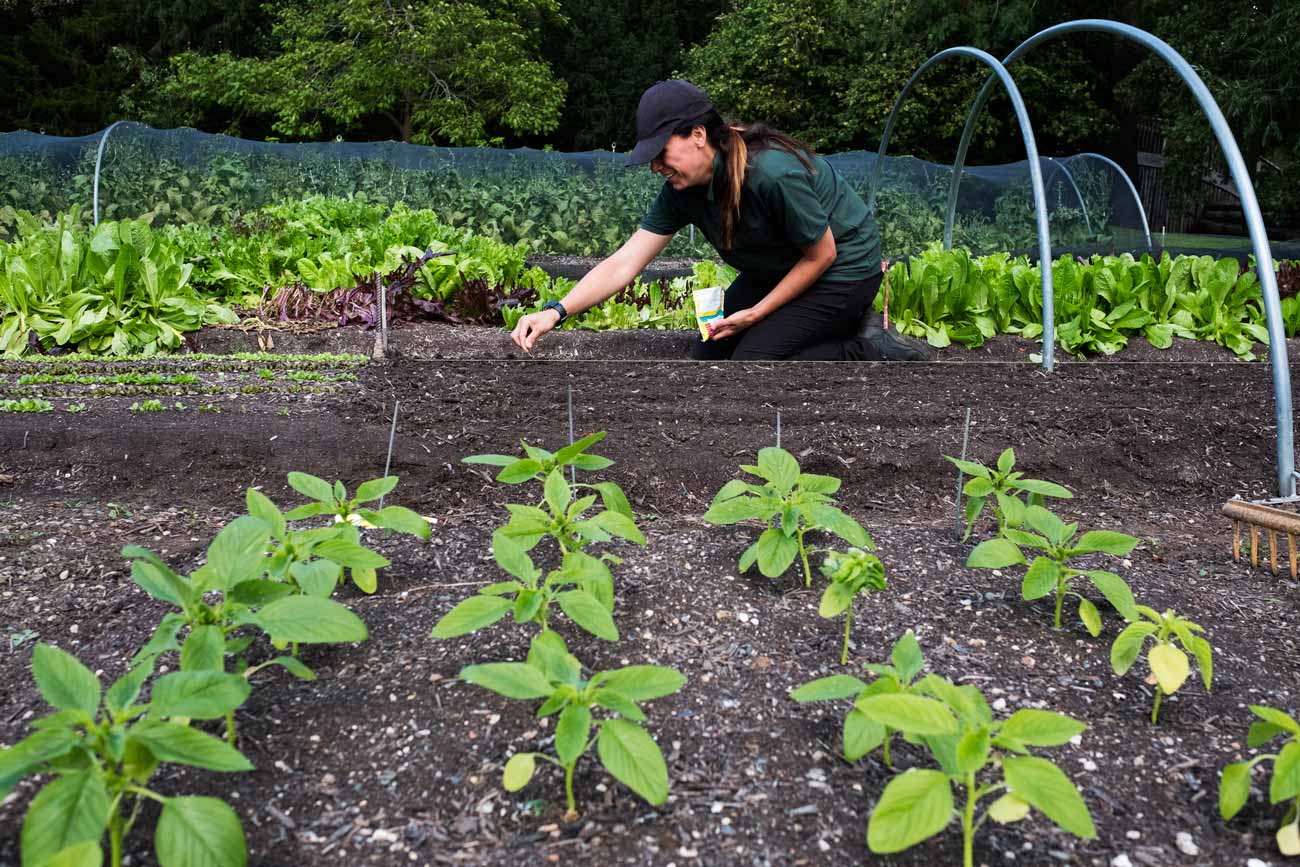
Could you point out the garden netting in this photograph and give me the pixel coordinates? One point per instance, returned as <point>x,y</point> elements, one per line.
<point>582,204</point>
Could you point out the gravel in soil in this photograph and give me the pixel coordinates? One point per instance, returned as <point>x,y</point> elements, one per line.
<point>389,759</point>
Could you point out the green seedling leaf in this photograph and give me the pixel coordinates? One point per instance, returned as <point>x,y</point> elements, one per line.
<point>1234,789</point>
<point>588,612</point>
<point>520,471</point>
<point>618,524</point>
<point>311,487</point>
<point>490,460</point>
<point>1124,652</point>
<point>1116,591</point>
<point>199,832</point>
<point>915,806</point>
<point>1041,728</point>
<point>472,615</point>
<point>906,656</point>
<point>401,519</point>
<point>1040,578</point>
<point>375,488</point>
<point>349,554</point>
<point>861,735</point>
<point>511,679</point>
<point>63,681</point>
<point>197,694</point>
<point>1042,488</point>
<point>557,492</point>
<point>1044,786</point>
<point>1271,715</point>
<point>1107,542</point>
<point>72,809</point>
<point>204,650</point>
<point>172,742</point>
<point>261,507</point>
<point>912,714</point>
<point>1288,839</point>
<point>309,620</point>
<point>994,554</point>
<point>642,682</point>
<point>629,753</point>
<point>238,553</point>
<point>613,498</point>
<point>1285,783</point>
<point>776,551</point>
<point>87,853</point>
<point>779,467</point>
<point>836,686</point>
<point>572,732</point>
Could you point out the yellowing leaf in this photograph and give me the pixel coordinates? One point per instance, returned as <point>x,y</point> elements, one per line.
<point>1288,839</point>
<point>1008,809</point>
<point>1170,666</point>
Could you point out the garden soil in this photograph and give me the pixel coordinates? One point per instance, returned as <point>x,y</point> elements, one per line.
<point>388,759</point>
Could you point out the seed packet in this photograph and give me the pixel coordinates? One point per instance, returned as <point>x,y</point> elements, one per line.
<point>708,307</point>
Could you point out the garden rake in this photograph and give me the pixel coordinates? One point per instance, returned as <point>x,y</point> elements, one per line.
<point>1259,515</point>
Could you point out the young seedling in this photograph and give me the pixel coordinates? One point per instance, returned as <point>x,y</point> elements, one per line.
<point>565,519</point>
<point>791,504</point>
<point>342,546</point>
<point>102,749</point>
<point>538,464</point>
<point>558,514</point>
<point>1002,489</point>
<point>1284,783</point>
<point>862,734</point>
<point>978,755</point>
<point>582,587</point>
<point>625,749</point>
<point>227,594</point>
<point>1051,573</point>
<point>1169,665</point>
<point>851,573</point>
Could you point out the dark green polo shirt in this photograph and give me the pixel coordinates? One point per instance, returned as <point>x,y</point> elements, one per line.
<point>783,208</point>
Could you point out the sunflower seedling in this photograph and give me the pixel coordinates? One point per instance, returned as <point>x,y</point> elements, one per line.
<point>626,750</point>
<point>861,733</point>
<point>791,504</point>
<point>582,587</point>
<point>1002,488</point>
<point>1051,573</point>
<point>977,754</point>
<point>102,748</point>
<point>343,548</point>
<point>851,573</point>
<point>1169,665</point>
<point>565,519</point>
<point>1284,783</point>
<point>227,594</point>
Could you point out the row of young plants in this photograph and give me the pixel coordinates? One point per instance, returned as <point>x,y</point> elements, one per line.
<point>947,296</point>
<point>264,573</point>
<point>264,590</point>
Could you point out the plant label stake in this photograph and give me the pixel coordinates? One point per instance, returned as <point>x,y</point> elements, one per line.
<point>778,428</point>
<point>392,434</point>
<point>573,471</point>
<point>965,439</point>
<point>383,314</point>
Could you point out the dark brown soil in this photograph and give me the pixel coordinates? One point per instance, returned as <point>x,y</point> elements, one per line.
<point>389,759</point>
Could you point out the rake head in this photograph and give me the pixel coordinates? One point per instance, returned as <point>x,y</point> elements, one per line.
<point>1271,519</point>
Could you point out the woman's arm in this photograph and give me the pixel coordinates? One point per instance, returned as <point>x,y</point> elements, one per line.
<point>816,259</point>
<point>606,279</point>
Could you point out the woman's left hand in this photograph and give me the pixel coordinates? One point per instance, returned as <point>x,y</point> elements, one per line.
<point>734,324</point>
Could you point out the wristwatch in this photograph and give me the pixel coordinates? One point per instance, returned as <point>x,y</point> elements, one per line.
<point>558,308</point>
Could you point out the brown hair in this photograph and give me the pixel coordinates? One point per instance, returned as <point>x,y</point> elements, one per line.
<point>736,141</point>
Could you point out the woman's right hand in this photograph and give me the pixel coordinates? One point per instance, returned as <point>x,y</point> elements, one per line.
<point>530,328</point>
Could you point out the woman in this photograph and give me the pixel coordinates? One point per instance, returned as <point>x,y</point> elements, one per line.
<point>806,247</point>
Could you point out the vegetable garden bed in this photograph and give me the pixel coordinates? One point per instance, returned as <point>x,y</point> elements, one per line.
<point>389,758</point>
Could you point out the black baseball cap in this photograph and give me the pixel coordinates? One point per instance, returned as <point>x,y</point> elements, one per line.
<point>664,107</point>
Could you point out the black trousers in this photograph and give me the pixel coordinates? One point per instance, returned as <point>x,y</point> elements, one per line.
<point>819,325</point>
